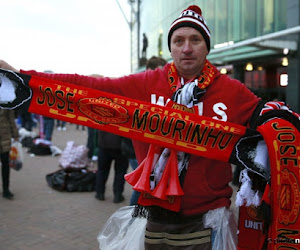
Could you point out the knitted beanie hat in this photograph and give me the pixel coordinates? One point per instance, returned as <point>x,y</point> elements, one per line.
<point>191,17</point>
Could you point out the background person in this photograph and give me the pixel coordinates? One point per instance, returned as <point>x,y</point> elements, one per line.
<point>61,125</point>
<point>155,62</point>
<point>145,46</point>
<point>109,150</point>
<point>48,127</point>
<point>8,130</point>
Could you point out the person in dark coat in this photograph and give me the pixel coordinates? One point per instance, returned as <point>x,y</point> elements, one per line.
<point>8,130</point>
<point>109,150</point>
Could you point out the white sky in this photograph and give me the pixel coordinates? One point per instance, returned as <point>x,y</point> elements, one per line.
<point>66,36</point>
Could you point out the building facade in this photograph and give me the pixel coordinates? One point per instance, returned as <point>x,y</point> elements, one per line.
<point>254,41</point>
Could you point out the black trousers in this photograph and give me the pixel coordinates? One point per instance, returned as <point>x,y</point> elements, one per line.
<point>5,170</point>
<point>105,158</point>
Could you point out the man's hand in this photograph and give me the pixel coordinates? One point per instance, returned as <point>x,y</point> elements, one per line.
<point>5,65</point>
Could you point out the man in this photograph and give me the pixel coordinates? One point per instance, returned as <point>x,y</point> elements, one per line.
<point>145,45</point>
<point>155,62</point>
<point>191,83</point>
<point>109,151</point>
<point>8,131</point>
<point>204,181</point>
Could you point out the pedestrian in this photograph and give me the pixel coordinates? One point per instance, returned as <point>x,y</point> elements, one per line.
<point>61,125</point>
<point>92,144</point>
<point>155,62</point>
<point>48,127</point>
<point>8,130</point>
<point>109,150</point>
<point>82,127</point>
<point>26,119</point>
<point>193,84</point>
<point>145,46</point>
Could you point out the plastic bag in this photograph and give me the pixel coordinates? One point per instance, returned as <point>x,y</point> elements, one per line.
<point>224,224</point>
<point>122,231</point>
<point>16,155</point>
<point>74,156</point>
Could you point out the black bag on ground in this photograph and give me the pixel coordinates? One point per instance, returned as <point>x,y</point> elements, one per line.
<point>72,180</point>
<point>27,142</point>
<point>40,149</point>
<point>57,180</point>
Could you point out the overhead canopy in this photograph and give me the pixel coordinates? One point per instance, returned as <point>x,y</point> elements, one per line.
<point>262,46</point>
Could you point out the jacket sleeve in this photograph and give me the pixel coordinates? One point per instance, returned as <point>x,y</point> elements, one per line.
<point>131,86</point>
<point>12,124</point>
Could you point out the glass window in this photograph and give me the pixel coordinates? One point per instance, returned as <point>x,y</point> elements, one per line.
<point>221,30</point>
<point>228,20</point>
<point>248,19</point>
<point>280,10</point>
<point>236,17</point>
<point>208,12</point>
<point>268,17</point>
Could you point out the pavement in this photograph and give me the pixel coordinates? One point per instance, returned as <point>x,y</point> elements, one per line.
<point>40,217</point>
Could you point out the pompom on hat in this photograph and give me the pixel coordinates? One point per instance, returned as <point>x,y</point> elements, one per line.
<point>191,17</point>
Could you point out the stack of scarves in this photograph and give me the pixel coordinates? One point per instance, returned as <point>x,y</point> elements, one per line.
<point>269,217</point>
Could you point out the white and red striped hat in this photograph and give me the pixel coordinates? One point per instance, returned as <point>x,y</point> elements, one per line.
<point>191,17</point>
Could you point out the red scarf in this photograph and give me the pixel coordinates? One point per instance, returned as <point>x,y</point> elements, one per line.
<point>135,119</point>
<point>204,80</point>
<point>283,141</point>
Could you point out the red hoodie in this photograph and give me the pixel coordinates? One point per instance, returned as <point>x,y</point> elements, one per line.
<point>206,181</point>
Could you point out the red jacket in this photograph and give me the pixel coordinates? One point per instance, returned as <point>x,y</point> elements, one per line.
<point>206,182</point>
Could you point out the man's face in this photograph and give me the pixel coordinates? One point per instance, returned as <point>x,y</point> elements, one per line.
<point>189,51</point>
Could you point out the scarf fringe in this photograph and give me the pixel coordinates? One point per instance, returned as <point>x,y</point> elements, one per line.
<point>246,196</point>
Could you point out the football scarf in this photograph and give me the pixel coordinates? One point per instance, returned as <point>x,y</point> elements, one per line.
<point>283,141</point>
<point>135,119</point>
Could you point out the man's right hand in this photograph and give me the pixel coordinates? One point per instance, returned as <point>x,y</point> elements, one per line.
<point>5,65</point>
